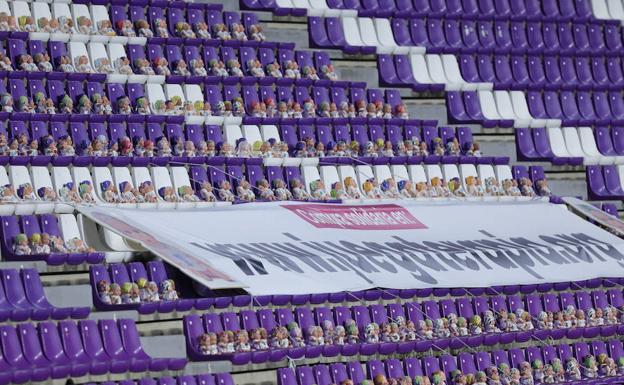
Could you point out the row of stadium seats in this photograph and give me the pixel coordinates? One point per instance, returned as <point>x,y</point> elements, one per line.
<point>22,297</point>
<point>567,10</point>
<point>466,363</point>
<point>73,349</point>
<point>531,311</point>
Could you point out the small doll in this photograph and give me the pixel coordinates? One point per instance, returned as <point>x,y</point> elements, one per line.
<point>187,195</point>
<point>125,28</point>
<point>217,68</point>
<point>198,68</point>
<point>143,67</point>
<point>26,192</point>
<point>202,31</point>
<point>400,111</point>
<point>221,32</point>
<point>167,290</point>
<point>280,190</point>
<point>12,24</point>
<point>82,64</point>
<point>41,243</point>
<point>390,189</point>
<point>5,63</point>
<point>526,375</point>
<point>542,188</point>
<point>264,190</point>
<point>273,69</point>
<point>167,194</point>
<point>103,66</point>
<point>143,106</point>
<point>4,22</point>
<point>42,60</point>
<point>123,106</point>
<point>309,72</point>
<point>243,149</point>
<point>105,27</point>
<point>122,65</point>
<point>327,71</point>
<point>386,111</point>
<point>590,368</point>
<point>299,193</point>
<point>526,187</point>
<point>317,190</point>
<point>292,70</point>
<point>244,192</point>
<point>44,25</point>
<point>183,29</point>
<point>20,245</point>
<point>65,65</point>
<point>104,292</point>
<point>225,191</point>
<point>85,189</point>
<point>255,68</point>
<point>27,24</point>
<point>238,32</point>
<point>242,341</point>
<point>372,190</point>
<point>143,28</point>
<point>46,194</point>
<point>572,370</point>
<point>26,63</point>
<point>161,28</point>
<point>181,68</point>
<point>115,294</point>
<point>255,31</point>
<point>109,192</point>
<point>207,344</point>
<point>85,26</point>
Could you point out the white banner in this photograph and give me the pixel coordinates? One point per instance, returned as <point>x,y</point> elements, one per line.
<point>294,248</point>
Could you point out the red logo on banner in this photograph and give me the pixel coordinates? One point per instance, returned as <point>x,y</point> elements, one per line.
<point>373,217</point>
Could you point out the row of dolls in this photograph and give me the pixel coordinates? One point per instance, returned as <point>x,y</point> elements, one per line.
<point>44,244</point>
<point>309,109</point>
<point>436,188</point>
<point>136,292</point>
<point>308,148</point>
<point>232,67</point>
<point>526,373</point>
<point>199,30</point>
<point>84,25</point>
